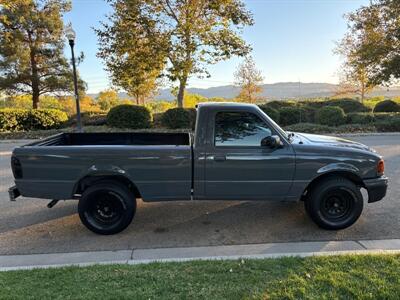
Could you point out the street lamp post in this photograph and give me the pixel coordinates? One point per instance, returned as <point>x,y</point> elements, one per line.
<point>70,34</point>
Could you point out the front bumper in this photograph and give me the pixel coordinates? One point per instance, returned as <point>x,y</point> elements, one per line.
<point>376,188</point>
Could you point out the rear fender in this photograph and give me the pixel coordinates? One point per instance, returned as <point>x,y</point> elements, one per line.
<point>100,172</point>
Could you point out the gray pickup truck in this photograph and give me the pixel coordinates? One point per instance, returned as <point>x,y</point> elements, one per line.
<point>236,153</point>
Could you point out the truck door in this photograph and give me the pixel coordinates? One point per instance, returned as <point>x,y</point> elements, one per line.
<point>237,167</point>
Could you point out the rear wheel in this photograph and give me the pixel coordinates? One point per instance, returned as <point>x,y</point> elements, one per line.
<point>107,207</point>
<point>335,203</point>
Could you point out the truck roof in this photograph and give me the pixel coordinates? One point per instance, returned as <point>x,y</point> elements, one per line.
<point>225,104</point>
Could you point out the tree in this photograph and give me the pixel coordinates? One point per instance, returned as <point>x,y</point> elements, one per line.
<point>354,70</point>
<point>31,48</point>
<point>191,100</point>
<point>133,61</point>
<point>374,34</point>
<point>181,37</point>
<point>107,99</point>
<point>354,80</point>
<point>249,78</point>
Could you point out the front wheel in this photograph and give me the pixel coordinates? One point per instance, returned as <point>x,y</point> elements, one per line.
<point>335,203</point>
<point>107,207</point>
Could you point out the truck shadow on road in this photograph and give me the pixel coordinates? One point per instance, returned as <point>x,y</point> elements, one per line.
<point>40,214</point>
<point>173,224</point>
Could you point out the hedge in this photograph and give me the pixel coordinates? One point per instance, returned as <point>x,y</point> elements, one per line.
<point>348,105</point>
<point>292,115</point>
<point>387,106</point>
<point>331,116</point>
<point>388,126</point>
<point>309,128</point>
<point>271,112</point>
<point>129,116</point>
<point>280,104</point>
<point>31,119</point>
<point>95,118</point>
<point>360,118</point>
<point>382,117</point>
<point>175,118</point>
<point>318,129</point>
<point>90,118</point>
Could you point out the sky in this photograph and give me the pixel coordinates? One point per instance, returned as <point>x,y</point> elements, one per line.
<point>292,40</point>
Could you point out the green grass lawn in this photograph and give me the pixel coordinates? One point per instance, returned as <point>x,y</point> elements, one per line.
<point>340,277</point>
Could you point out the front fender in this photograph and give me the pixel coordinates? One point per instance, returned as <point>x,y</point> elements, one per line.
<point>341,167</point>
<point>345,169</point>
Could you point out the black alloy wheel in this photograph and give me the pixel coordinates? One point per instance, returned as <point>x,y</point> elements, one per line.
<point>107,207</point>
<point>334,203</point>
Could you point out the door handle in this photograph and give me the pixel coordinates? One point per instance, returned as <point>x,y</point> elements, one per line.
<point>219,158</point>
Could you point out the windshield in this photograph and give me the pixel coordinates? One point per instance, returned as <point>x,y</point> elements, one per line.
<point>277,127</point>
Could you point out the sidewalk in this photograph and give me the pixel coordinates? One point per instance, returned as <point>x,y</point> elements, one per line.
<point>255,251</point>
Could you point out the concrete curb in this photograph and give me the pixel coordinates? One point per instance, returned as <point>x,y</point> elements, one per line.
<point>251,251</point>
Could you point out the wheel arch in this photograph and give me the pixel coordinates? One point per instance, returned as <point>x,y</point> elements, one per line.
<point>355,178</point>
<point>92,179</point>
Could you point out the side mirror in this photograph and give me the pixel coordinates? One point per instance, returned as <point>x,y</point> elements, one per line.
<point>272,141</point>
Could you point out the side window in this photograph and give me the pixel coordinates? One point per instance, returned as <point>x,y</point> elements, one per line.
<point>239,129</point>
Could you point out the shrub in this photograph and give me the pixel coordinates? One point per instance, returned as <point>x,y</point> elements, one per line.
<point>348,105</point>
<point>280,104</point>
<point>331,116</point>
<point>387,106</point>
<point>179,118</point>
<point>157,117</point>
<point>13,119</point>
<point>129,116</point>
<point>385,116</point>
<point>309,128</point>
<point>271,112</point>
<point>389,126</point>
<point>316,104</point>
<point>355,128</point>
<point>46,118</point>
<point>317,128</point>
<point>308,114</point>
<point>388,122</point>
<point>90,118</point>
<point>95,118</point>
<point>291,115</point>
<point>31,119</point>
<point>360,118</point>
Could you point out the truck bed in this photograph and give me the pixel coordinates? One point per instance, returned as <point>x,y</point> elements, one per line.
<point>53,167</point>
<point>115,138</point>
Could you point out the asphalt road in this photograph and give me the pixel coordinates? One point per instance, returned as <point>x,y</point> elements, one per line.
<point>28,226</point>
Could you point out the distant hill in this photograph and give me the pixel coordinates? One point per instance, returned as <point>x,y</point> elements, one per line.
<point>280,90</point>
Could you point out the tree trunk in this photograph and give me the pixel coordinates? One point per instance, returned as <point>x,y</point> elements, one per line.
<point>35,97</point>
<point>362,92</point>
<point>181,92</point>
<point>34,79</point>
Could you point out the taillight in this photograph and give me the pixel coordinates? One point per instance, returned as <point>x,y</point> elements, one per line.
<point>16,167</point>
<point>380,168</point>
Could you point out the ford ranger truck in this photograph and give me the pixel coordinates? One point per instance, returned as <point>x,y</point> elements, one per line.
<point>236,152</point>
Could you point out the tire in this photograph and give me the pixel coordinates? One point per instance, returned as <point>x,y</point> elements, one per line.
<point>107,207</point>
<point>335,203</point>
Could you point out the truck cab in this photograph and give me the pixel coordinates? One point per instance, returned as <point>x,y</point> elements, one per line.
<point>235,157</point>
